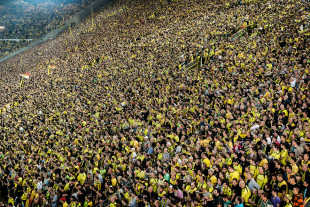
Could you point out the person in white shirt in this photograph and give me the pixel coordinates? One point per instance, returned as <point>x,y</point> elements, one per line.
<point>39,184</point>
<point>251,183</point>
<point>134,154</point>
<point>293,82</point>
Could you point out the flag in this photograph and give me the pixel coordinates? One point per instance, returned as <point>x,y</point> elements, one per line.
<point>25,75</point>
<point>50,67</point>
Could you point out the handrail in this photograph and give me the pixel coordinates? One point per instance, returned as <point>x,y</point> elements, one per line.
<point>242,31</point>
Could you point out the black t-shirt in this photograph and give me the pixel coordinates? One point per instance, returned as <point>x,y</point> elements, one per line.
<point>244,164</point>
<point>237,190</point>
<point>81,197</point>
<point>170,195</point>
<point>151,195</point>
<point>279,171</point>
<point>282,188</point>
<point>290,187</point>
<point>217,200</point>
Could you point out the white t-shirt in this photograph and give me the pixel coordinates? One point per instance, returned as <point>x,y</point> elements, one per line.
<point>39,185</point>
<point>293,83</point>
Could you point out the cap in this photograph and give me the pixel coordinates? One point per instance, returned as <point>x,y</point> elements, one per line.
<point>62,199</point>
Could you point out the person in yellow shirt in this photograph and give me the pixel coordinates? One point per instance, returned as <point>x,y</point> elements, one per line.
<point>261,178</point>
<point>10,200</point>
<point>305,161</point>
<point>173,179</point>
<point>263,161</point>
<point>193,188</point>
<point>275,152</point>
<point>283,110</point>
<point>161,192</point>
<point>226,190</point>
<point>209,186</point>
<point>253,167</point>
<point>295,168</point>
<point>112,201</point>
<point>288,201</point>
<point>81,177</point>
<point>245,192</point>
<point>200,183</point>
<point>232,174</point>
<point>289,171</point>
<point>211,177</point>
<point>237,166</point>
<point>113,180</point>
<point>282,185</point>
<point>206,160</point>
<point>88,202</point>
<point>283,153</point>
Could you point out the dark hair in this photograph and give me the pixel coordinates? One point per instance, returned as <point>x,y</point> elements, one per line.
<point>289,166</point>
<point>238,198</point>
<point>224,196</point>
<point>275,190</point>
<point>280,175</point>
<point>225,181</point>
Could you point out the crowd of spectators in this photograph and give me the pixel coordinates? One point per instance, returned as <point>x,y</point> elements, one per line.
<point>110,116</point>
<point>32,19</point>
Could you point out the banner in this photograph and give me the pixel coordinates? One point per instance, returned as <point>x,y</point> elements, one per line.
<point>25,75</point>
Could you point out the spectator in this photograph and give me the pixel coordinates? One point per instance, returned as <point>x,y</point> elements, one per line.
<point>275,200</point>
<point>297,198</point>
<point>118,79</point>
<point>265,201</point>
<point>251,183</point>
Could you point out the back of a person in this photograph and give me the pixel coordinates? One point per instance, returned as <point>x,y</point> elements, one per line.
<point>298,201</point>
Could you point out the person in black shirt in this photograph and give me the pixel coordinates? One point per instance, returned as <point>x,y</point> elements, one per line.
<point>268,189</point>
<point>81,195</point>
<point>150,193</point>
<point>145,201</point>
<point>265,148</point>
<point>306,189</point>
<point>218,199</point>
<point>243,162</point>
<point>236,190</point>
<point>170,193</point>
<point>278,167</point>
<point>291,184</point>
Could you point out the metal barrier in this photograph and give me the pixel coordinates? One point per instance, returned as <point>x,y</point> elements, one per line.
<point>243,31</point>
<point>193,64</point>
